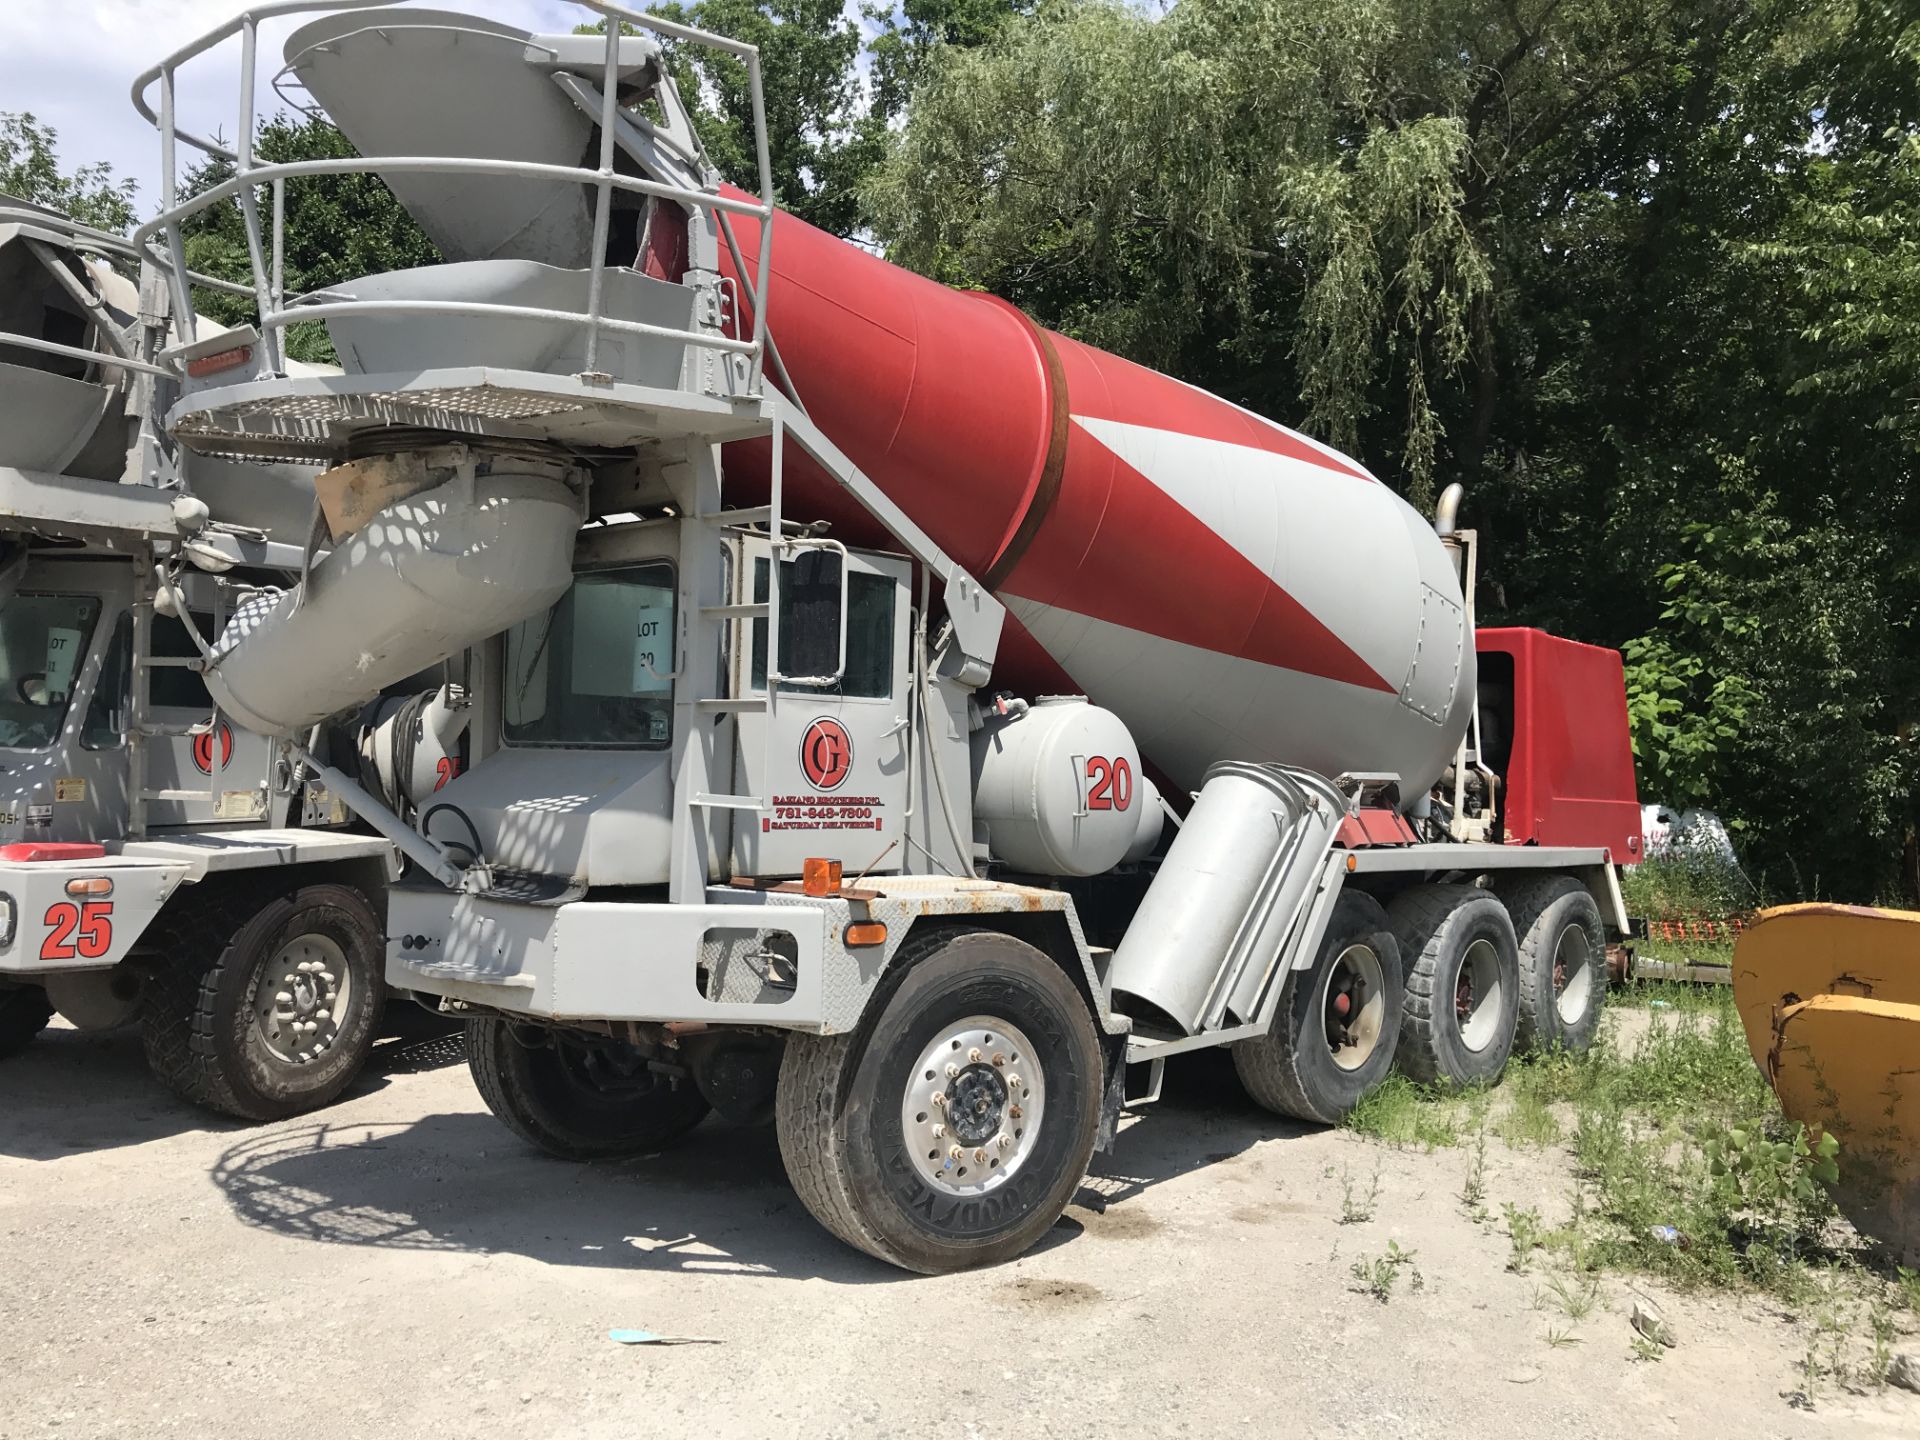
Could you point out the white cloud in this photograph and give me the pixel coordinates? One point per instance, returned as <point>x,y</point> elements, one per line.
<point>72,64</point>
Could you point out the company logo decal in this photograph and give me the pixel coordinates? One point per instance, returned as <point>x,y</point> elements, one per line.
<point>203,749</point>
<point>826,754</point>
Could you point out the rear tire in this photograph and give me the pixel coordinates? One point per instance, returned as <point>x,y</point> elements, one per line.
<point>856,1112</point>
<point>576,1099</point>
<point>216,1032</point>
<point>24,1013</point>
<point>1463,983</point>
<point>1320,1057</point>
<point>1563,963</point>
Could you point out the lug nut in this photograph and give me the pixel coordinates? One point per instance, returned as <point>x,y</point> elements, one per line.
<point>938,1100</point>
<point>979,1157</point>
<point>1003,1140</point>
<point>1014,1112</point>
<point>956,1153</point>
<point>327,975</point>
<point>952,1071</point>
<point>1013,1082</point>
<point>285,997</point>
<point>999,1060</point>
<point>974,1055</point>
<point>939,1132</point>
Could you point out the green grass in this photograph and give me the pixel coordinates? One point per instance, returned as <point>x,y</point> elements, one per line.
<point>1401,1112</point>
<point>1638,1118</point>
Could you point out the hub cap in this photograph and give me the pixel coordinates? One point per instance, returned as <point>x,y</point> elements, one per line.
<point>1355,1006</point>
<point>1478,995</point>
<point>1572,974</point>
<point>973,1107</point>
<point>302,998</point>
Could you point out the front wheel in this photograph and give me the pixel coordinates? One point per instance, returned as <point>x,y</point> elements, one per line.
<point>264,1010</point>
<point>952,1128</point>
<point>576,1097</point>
<point>24,1013</point>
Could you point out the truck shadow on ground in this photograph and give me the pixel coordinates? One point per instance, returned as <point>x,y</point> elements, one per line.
<point>73,1091</point>
<point>718,1202</point>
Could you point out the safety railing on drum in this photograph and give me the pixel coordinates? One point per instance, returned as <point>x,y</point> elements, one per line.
<point>267,257</point>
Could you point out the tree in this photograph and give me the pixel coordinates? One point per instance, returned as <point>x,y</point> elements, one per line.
<point>30,170</point>
<point>1642,273</point>
<point>910,34</point>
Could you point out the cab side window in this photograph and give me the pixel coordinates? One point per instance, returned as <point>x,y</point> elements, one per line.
<point>168,686</point>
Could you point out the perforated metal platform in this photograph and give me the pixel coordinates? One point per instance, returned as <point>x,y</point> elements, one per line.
<point>313,418</point>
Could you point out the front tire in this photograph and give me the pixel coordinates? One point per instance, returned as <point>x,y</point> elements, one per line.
<point>576,1098</point>
<point>1563,963</point>
<point>24,1013</point>
<point>265,1011</point>
<point>1463,983</point>
<point>1334,1035</point>
<point>951,1129</point>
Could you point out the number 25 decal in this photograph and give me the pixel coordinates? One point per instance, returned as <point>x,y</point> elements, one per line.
<point>85,929</point>
<point>1110,784</point>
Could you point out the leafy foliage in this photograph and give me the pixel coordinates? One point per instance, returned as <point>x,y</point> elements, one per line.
<point>30,169</point>
<point>1770,1175</point>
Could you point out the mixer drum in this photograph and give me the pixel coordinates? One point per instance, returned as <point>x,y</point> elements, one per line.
<point>1229,588</point>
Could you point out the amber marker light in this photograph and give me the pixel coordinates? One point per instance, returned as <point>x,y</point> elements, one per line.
<point>820,878</point>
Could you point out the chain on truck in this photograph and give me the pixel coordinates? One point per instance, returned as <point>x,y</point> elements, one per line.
<point>887,715</point>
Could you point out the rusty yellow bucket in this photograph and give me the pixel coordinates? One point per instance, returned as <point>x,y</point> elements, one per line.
<point>1830,999</point>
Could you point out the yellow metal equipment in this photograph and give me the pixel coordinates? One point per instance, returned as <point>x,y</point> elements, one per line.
<point>1830,998</point>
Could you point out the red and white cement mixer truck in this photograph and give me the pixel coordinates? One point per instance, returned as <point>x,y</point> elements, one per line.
<point>886,714</point>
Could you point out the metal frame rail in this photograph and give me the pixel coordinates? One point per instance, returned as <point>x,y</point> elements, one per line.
<point>267,257</point>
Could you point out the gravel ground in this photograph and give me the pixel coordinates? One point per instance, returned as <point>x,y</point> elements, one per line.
<point>400,1265</point>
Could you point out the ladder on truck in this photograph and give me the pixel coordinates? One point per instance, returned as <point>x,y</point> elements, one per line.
<point>142,728</point>
<point>712,621</point>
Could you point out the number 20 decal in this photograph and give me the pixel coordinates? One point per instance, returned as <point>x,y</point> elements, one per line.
<point>86,930</point>
<point>1110,783</point>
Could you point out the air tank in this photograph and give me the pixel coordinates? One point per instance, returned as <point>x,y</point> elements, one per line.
<point>1231,589</point>
<point>1058,787</point>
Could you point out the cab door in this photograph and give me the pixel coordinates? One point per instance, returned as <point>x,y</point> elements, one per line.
<point>831,753</point>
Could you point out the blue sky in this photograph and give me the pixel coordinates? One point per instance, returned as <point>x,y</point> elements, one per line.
<point>72,62</point>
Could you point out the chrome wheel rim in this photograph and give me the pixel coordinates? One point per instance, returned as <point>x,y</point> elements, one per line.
<point>1479,995</point>
<point>301,1000</point>
<point>1572,974</point>
<point>1354,1006</point>
<point>973,1107</point>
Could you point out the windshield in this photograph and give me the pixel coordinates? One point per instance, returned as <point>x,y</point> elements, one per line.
<point>597,669</point>
<point>43,639</point>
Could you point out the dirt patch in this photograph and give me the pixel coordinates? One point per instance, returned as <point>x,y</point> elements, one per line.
<point>1042,1294</point>
<point>1268,1214</point>
<point>1118,1222</point>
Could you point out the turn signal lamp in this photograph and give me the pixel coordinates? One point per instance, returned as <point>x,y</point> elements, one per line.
<point>866,932</point>
<point>820,878</point>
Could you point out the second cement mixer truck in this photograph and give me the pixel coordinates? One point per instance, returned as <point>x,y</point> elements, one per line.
<point>889,716</point>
